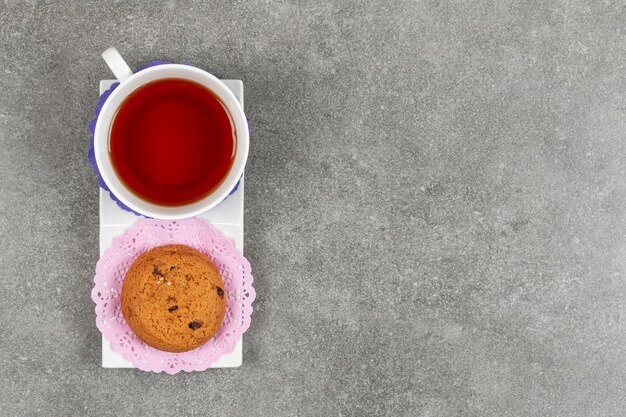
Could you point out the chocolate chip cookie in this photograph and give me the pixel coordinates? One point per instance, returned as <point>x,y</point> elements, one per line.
<point>173,298</point>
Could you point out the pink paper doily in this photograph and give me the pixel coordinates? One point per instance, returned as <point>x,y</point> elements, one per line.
<point>147,234</point>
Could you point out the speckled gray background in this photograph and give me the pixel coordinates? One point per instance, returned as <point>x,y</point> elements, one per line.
<point>435,206</point>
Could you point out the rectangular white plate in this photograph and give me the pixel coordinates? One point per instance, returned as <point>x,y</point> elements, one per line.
<point>227,217</point>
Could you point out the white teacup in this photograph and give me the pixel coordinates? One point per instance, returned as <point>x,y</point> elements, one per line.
<point>129,82</point>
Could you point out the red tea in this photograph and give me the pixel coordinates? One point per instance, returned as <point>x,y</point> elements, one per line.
<point>172,142</point>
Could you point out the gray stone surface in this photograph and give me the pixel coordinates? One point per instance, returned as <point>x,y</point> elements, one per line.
<point>434,211</point>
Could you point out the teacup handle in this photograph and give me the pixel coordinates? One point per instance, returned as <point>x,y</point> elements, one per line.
<point>116,63</point>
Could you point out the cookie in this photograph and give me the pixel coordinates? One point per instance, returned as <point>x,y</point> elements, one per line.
<point>173,298</point>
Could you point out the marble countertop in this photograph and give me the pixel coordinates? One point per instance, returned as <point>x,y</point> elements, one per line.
<point>435,206</point>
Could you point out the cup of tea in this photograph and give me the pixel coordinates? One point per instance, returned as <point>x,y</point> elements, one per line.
<point>171,141</point>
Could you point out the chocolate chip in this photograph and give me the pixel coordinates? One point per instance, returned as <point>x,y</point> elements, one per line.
<point>172,309</point>
<point>173,267</point>
<point>195,325</point>
<point>156,272</point>
<point>220,292</point>
<point>188,277</point>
